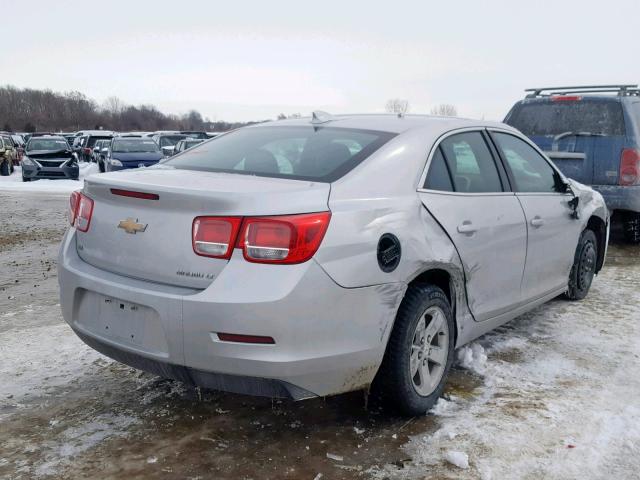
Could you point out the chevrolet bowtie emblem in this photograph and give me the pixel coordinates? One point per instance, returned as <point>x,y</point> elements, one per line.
<point>132,226</point>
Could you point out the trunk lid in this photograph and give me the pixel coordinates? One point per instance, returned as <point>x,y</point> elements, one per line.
<point>163,251</point>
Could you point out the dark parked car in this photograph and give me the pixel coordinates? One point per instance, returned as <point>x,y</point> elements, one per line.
<point>83,144</point>
<point>186,144</point>
<point>593,135</point>
<point>8,153</point>
<point>131,152</point>
<point>48,157</point>
<point>100,150</point>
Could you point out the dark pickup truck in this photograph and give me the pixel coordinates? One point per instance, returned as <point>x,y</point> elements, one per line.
<point>592,133</point>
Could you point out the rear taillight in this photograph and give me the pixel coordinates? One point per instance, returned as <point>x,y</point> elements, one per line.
<point>80,211</point>
<point>215,236</point>
<point>629,167</point>
<point>283,239</point>
<point>73,207</point>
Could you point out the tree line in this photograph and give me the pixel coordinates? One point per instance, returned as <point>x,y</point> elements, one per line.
<point>31,110</point>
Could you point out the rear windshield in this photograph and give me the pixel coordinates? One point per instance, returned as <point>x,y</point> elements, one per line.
<point>92,140</point>
<point>134,145</point>
<point>39,143</point>
<point>553,118</point>
<point>298,152</point>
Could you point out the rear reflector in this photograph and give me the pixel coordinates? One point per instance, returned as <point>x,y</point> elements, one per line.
<point>629,167</point>
<point>130,193</point>
<point>566,98</point>
<point>233,337</point>
<point>283,239</point>
<point>215,236</point>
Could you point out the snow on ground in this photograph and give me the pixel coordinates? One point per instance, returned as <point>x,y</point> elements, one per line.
<point>559,397</point>
<point>14,182</point>
<point>37,359</point>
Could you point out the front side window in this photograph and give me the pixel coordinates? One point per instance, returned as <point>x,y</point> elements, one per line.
<point>298,152</point>
<point>470,163</point>
<point>530,170</point>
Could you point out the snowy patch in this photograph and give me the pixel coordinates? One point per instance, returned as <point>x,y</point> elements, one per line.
<point>34,360</point>
<point>459,459</point>
<point>14,182</point>
<point>78,439</point>
<point>473,357</point>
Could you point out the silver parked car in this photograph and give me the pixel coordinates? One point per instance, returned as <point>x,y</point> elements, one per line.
<point>317,256</point>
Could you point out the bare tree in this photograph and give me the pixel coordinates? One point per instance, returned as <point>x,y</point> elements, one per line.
<point>397,105</point>
<point>444,110</point>
<point>114,105</point>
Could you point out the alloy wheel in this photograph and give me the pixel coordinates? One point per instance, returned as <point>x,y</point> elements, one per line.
<point>429,351</point>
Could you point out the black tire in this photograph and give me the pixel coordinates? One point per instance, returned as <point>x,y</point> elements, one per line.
<point>394,388</point>
<point>25,179</point>
<point>4,169</point>
<point>584,266</point>
<point>631,226</point>
<point>101,166</point>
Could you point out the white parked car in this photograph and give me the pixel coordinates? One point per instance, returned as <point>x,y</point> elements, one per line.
<point>316,256</point>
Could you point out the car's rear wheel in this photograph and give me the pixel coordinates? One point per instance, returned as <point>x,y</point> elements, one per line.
<point>419,353</point>
<point>4,169</point>
<point>631,226</point>
<point>101,166</point>
<point>584,266</point>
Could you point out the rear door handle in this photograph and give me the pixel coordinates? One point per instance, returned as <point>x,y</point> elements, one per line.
<point>466,228</point>
<point>536,222</point>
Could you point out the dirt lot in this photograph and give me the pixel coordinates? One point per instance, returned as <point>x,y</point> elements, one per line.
<point>553,394</point>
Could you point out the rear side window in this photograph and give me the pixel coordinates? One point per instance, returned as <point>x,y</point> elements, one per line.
<point>438,177</point>
<point>471,164</point>
<point>530,170</point>
<point>552,118</point>
<point>297,152</point>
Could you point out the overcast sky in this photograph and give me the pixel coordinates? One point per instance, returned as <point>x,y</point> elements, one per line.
<point>252,60</point>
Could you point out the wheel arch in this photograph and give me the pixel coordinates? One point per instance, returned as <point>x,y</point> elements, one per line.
<point>599,228</point>
<point>442,279</point>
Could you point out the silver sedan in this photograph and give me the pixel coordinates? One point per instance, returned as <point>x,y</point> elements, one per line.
<point>316,256</point>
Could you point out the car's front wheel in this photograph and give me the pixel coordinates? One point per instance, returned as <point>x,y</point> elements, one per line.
<point>584,266</point>
<point>419,353</point>
<point>4,169</point>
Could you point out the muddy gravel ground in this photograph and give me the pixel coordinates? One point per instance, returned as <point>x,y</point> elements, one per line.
<point>553,394</point>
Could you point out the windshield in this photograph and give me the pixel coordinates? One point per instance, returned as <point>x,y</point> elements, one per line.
<point>298,152</point>
<point>582,116</point>
<point>170,140</point>
<point>134,145</point>
<point>39,143</point>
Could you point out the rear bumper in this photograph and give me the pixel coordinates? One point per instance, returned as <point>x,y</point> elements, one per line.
<point>619,197</point>
<point>329,339</point>
<point>34,172</point>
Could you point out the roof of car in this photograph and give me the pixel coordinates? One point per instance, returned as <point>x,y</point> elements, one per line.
<point>388,122</point>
